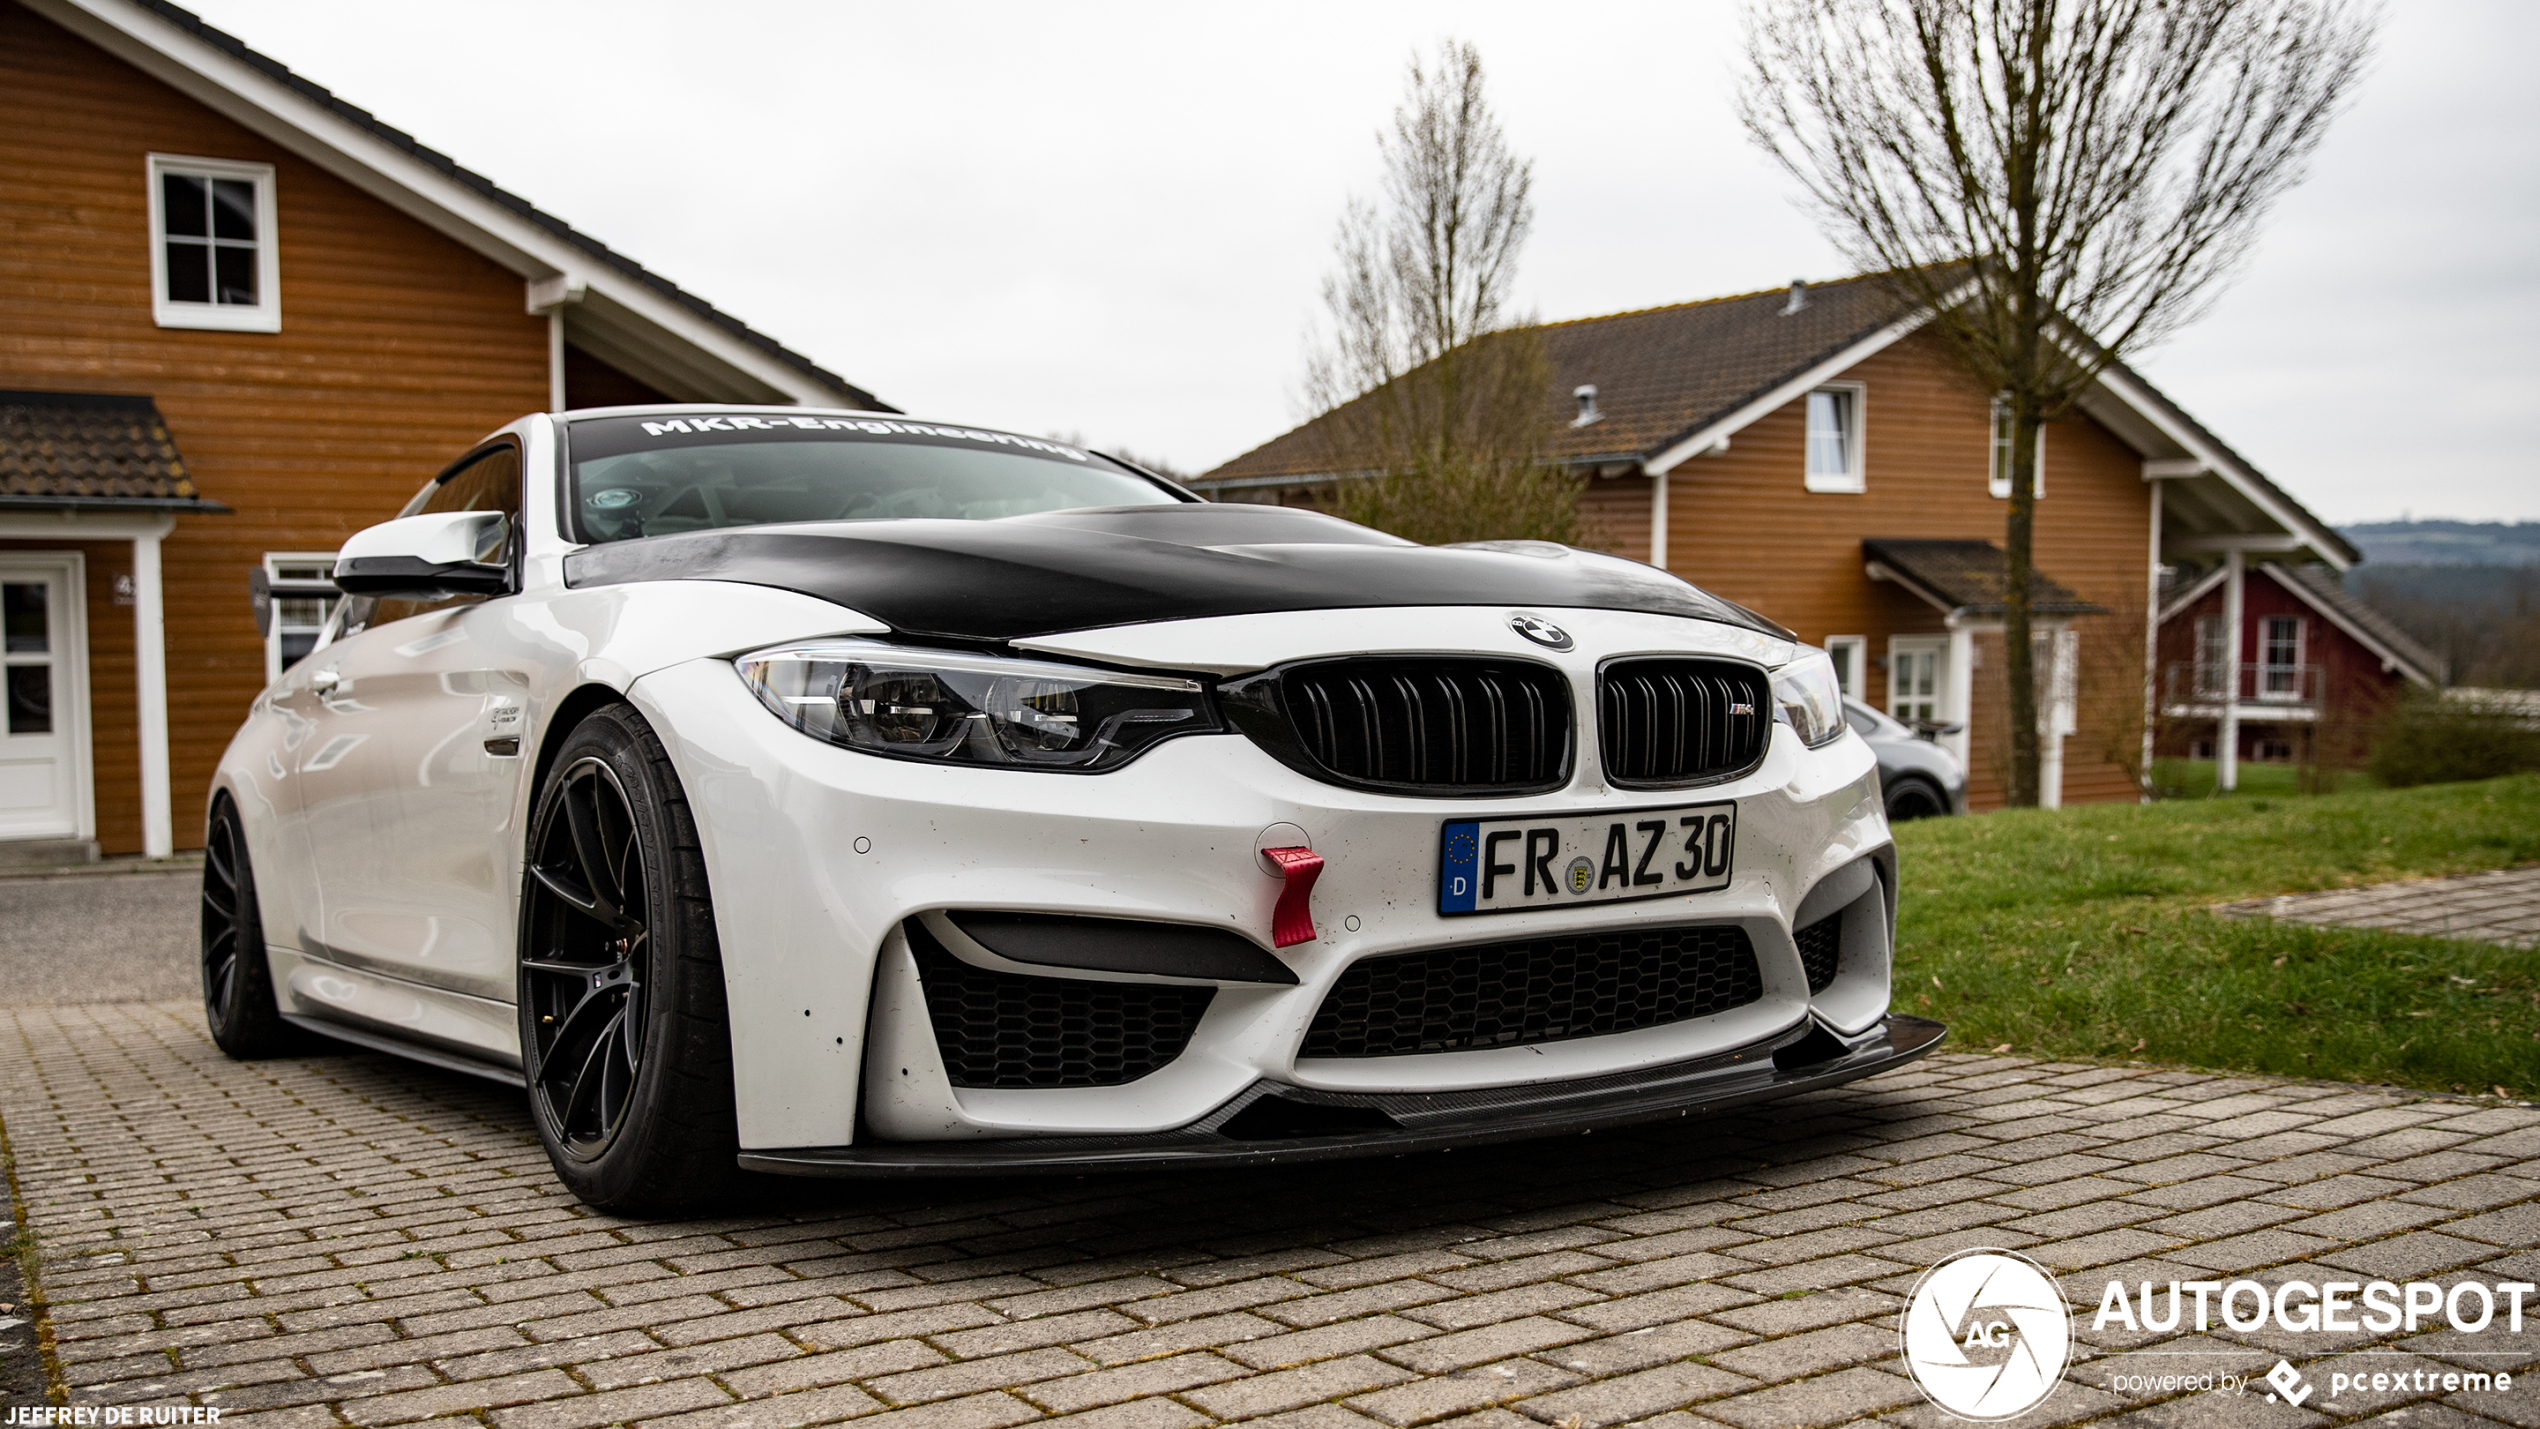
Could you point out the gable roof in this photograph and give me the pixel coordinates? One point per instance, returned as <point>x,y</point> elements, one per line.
<point>67,450</point>
<point>2322,591</point>
<point>1661,374</point>
<point>626,315</point>
<point>1969,577</point>
<point>1677,381</point>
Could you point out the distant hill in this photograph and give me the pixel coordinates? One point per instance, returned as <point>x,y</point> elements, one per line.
<point>2447,543</point>
<point>2470,590</point>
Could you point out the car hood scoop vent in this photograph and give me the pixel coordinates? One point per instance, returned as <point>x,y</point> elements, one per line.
<point>1074,570</point>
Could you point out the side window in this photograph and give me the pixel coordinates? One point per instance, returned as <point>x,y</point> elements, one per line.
<point>1834,438</point>
<point>1998,469</point>
<point>1850,654</point>
<point>487,481</point>
<point>303,598</point>
<point>213,259</point>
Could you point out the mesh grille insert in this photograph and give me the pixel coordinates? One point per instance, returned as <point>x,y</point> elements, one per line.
<point>1535,990</point>
<point>1820,943</point>
<point>999,1029</point>
<point>1682,721</point>
<point>1435,724</point>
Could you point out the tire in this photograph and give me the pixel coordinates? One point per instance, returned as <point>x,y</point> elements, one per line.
<point>625,1041</point>
<point>1915,799</point>
<point>238,1000</point>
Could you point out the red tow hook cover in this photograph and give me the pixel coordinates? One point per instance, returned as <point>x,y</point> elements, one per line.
<point>1293,921</point>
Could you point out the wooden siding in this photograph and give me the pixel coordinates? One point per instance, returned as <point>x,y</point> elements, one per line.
<point>1743,524</point>
<point>398,349</point>
<point>592,382</point>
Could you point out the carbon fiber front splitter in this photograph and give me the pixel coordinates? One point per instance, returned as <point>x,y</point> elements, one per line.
<point>1272,1122</point>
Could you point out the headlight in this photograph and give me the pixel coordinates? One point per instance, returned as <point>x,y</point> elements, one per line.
<point>1806,697</point>
<point>945,706</point>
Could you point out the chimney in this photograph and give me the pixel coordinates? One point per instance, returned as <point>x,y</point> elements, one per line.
<point>1798,297</point>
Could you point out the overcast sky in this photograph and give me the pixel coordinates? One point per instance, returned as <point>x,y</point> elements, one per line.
<point>1111,220</point>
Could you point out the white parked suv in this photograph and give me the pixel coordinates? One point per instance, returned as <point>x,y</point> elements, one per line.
<point>828,793</point>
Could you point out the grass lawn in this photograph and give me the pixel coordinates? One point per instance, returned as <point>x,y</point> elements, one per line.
<point>2084,933</point>
<point>2194,779</point>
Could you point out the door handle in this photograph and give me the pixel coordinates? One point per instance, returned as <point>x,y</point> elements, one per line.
<point>325,680</point>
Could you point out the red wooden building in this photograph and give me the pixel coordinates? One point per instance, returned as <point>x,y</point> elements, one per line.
<point>2277,662</point>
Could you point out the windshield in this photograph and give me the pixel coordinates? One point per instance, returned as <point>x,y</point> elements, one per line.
<point>655,475</point>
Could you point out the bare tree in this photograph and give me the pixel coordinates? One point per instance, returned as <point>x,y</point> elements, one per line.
<point>1436,408</point>
<point>2059,183</point>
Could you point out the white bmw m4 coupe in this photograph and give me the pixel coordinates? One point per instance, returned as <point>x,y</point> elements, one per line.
<point>822,793</point>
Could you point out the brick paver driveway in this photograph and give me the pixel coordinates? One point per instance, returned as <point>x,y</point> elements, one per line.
<point>353,1240</point>
<point>2499,906</point>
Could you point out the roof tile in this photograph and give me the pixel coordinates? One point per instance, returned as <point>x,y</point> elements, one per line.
<point>90,449</point>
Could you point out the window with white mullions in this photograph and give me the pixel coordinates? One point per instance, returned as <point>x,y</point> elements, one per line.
<point>2213,658</point>
<point>2281,663</point>
<point>1916,678</point>
<point>1998,479</point>
<point>301,582</point>
<point>1834,438</point>
<point>214,258</point>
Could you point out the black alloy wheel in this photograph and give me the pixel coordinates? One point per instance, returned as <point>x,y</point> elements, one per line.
<point>584,989</point>
<point>1914,799</point>
<point>238,1000</point>
<point>623,1037</point>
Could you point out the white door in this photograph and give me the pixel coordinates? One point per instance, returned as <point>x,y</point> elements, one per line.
<point>43,698</point>
<point>1917,677</point>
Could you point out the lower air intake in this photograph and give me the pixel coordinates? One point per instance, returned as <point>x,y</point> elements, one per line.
<point>1003,1030</point>
<point>1820,944</point>
<point>1536,990</point>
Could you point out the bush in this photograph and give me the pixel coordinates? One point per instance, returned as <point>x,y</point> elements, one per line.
<point>2431,739</point>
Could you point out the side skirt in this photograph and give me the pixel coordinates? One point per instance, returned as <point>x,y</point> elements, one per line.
<point>430,1057</point>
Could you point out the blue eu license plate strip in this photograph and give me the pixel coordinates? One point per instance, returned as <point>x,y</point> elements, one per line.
<point>1555,860</point>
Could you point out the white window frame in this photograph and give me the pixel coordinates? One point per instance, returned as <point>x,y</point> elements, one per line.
<point>273,561</point>
<point>2215,674</point>
<point>1936,646</point>
<point>266,313</point>
<point>1855,677</point>
<point>2267,667</point>
<point>1853,480</point>
<point>1997,446</point>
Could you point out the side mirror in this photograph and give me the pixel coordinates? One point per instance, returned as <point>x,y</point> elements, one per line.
<point>420,557</point>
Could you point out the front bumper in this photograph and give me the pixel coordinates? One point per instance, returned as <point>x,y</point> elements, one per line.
<point>1803,1059</point>
<point>819,855</point>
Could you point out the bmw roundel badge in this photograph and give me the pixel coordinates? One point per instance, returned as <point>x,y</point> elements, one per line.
<point>1539,630</point>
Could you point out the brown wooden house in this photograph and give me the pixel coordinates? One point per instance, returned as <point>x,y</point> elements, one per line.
<point>1809,452</point>
<point>239,320</point>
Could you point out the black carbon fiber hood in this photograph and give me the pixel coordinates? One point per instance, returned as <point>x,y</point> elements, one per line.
<point>1075,570</point>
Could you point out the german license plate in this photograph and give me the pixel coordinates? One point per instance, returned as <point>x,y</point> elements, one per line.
<point>1501,865</point>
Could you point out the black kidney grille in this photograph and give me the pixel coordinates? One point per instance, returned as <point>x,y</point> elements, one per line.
<point>1535,990</point>
<point>1820,944</point>
<point>1682,721</point>
<point>1003,1030</point>
<point>1438,724</point>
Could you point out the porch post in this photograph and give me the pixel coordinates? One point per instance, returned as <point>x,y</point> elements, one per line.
<point>2227,740</point>
<point>150,679</point>
<point>1961,708</point>
<point>555,360</point>
<point>2151,642</point>
<point>2055,714</point>
<point>1658,520</point>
